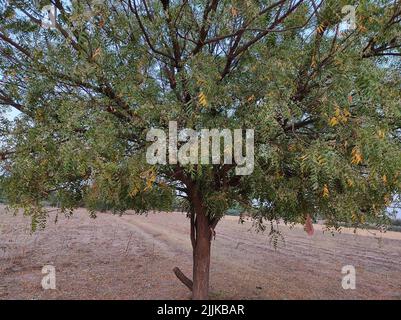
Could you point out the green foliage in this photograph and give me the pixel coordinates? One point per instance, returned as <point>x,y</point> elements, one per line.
<point>325,106</point>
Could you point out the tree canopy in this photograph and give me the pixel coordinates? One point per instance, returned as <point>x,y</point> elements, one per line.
<point>322,99</point>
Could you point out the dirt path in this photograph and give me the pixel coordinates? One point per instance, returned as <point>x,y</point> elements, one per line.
<point>131,257</point>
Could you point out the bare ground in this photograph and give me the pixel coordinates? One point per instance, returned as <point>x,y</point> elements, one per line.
<point>132,257</point>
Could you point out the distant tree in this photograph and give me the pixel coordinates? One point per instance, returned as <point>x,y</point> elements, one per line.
<point>2,198</point>
<point>396,222</point>
<point>324,103</point>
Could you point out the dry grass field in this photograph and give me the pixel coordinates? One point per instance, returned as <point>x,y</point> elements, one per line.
<point>132,257</point>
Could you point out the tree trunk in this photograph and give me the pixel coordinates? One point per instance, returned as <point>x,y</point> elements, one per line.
<point>201,258</point>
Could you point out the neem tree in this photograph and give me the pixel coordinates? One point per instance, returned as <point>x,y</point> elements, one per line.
<point>324,104</point>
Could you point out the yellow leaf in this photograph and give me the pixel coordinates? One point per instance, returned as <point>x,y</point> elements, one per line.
<point>148,185</point>
<point>304,157</point>
<point>96,53</point>
<point>343,119</point>
<point>385,179</point>
<point>356,156</point>
<point>320,28</point>
<point>251,98</point>
<point>337,112</point>
<point>333,121</point>
<point>134,191</point>
<point>320,160</point>
<point>202,99</point>
<point>340,116</point>
<point>150,178</point>
<point>201,82</point>
<point>234,11</point>
<point>325,191</point>
<point>350,182</point>
<point>381,134</point>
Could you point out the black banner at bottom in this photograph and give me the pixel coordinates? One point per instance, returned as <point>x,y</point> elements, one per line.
<point>156,309</point>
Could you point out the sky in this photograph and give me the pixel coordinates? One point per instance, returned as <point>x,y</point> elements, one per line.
<point>12,114</point>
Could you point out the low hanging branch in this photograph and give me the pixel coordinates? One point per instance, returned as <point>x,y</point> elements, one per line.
<point>183,278</point>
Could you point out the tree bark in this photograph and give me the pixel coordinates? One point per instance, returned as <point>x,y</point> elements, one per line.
<point>201,257</point>
<point>201,235</point>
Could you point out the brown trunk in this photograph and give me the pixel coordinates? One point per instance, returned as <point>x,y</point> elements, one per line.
<point>201,235</point>
<point>201,258</point>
